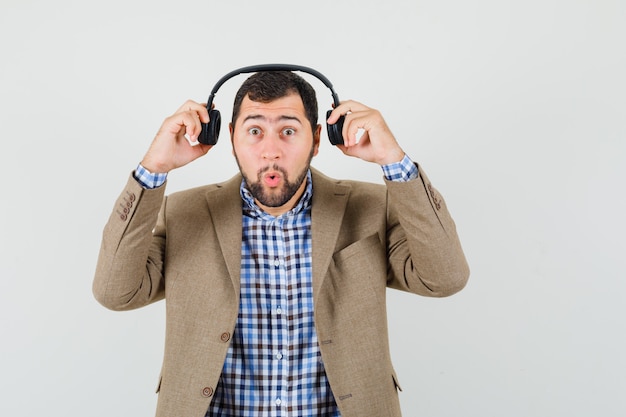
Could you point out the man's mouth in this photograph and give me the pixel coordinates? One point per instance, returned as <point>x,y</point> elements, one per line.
<point>272,179</point>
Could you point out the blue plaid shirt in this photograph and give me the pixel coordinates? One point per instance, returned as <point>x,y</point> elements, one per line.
<point>274,366</point>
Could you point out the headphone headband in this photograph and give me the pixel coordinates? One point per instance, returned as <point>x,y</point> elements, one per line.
<point>272,67</point>
<point>210,131</point>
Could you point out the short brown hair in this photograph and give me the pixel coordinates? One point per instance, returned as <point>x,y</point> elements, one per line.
<point>266,86</point>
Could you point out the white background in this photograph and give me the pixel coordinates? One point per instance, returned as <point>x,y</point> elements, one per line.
<point>515,109</point>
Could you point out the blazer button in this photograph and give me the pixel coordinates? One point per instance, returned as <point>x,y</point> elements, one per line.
<point>207,392</point>
<point>225,337</point>
<point>434,197</point>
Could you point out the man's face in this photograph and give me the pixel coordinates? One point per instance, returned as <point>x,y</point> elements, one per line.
<point>274,144</point>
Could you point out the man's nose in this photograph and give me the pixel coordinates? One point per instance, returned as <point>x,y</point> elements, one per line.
<point>271,147</point>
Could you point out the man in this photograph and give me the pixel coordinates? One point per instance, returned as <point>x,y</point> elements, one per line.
<point>275,280</point>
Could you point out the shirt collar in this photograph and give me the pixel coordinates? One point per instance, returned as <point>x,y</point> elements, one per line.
<point>251,208</point>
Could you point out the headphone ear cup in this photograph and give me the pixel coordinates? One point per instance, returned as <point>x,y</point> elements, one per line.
<point>211,131</point>
<point>334,131</point>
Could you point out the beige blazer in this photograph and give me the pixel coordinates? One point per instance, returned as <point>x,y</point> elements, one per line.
<point>186,248</point>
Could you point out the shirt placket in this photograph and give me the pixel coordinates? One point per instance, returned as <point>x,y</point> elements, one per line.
<point>279,305</point>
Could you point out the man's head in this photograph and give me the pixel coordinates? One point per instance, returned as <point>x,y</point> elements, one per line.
<point>274,133</point>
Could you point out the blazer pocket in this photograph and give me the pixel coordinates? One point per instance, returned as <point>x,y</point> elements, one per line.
<point>361,265</point>
<point>361,247</point>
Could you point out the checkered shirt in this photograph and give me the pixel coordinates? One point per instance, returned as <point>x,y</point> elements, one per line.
<point>273,366</point>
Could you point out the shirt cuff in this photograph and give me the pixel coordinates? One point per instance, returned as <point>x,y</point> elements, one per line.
<point>402,171</point>
<point>147,179</point>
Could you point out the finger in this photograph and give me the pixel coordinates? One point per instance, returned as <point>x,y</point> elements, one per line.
<point>180,124</point>
<point>193,125</point>
<point>343,109</point>
<point>354,128</point>
<point>199,110</point>
<point>360,132</point>
<point>343,148</point>
<point>351,106</point>
<point>348,151</point>
<point>203,113</point>
<point>189,105</point>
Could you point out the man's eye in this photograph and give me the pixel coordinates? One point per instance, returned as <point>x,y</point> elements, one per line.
<point>254,131</point>
<point>289,131</point>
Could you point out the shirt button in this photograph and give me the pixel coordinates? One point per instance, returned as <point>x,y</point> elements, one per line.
<point>279,310</point>
<point>276,263</point>
<point>279,356</point>
<point>278,401</point>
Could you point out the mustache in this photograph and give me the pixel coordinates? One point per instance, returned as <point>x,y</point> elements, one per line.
<point>272,167</point>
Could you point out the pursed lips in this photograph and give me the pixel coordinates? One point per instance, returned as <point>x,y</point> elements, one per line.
<point>272,178</point>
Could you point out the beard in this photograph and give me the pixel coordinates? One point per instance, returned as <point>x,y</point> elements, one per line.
<point>279,197</point>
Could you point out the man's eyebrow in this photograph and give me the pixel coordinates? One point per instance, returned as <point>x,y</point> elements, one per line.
<point>280,118</point>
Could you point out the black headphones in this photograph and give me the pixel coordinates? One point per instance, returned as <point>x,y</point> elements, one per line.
<point>211,131</point>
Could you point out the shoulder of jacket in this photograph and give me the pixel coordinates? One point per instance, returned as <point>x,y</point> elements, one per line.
<point>354,185</point>
<point>202,190</point>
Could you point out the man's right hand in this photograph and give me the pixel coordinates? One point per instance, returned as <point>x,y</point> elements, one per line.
<point>170,149</point>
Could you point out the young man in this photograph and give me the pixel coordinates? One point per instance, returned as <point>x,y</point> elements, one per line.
<point>275,280</point>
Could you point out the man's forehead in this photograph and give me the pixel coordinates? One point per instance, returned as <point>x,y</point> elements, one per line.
<point>285,107</point>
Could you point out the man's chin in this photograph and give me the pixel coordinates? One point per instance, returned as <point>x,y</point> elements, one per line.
<point>273,202</point>
<point>269,196</point>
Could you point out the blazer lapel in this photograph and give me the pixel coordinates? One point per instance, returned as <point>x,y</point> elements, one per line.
<point>225,210</point>
<point>328,208</point>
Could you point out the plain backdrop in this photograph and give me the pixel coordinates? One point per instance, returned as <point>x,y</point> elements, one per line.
<point>515,109</point>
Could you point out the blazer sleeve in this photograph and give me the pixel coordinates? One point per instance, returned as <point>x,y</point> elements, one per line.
<point>130,263</point>
<point>425,253</point>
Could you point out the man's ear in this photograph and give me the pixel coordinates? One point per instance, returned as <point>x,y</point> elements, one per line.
<point>316,139</point>
<point>231,130</point>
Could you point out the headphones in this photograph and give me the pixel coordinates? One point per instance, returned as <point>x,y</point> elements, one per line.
<point>210,131</point>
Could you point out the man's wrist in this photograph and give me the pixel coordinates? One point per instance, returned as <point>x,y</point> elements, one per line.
<point>147,179</point>
<point>404,170</point>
